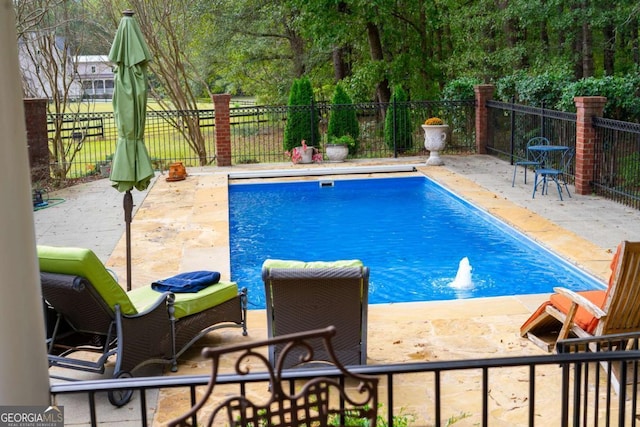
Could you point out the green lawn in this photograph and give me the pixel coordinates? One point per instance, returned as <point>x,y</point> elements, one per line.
<point>105,106</point>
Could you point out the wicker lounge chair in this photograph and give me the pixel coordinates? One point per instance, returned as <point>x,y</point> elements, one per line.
<point>301,296</point>
<point>87,310</point>
<point>592,313</point>
<point>319,401</point>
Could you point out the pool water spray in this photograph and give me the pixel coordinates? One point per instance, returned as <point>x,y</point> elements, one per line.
<point>463,276</point>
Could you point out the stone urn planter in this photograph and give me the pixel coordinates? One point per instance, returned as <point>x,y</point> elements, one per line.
<point>339,147</point>
<point>337,152</point>
<point>435,139</point>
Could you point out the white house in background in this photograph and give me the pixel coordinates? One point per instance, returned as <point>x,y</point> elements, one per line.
<point>83,76</point>
<point>47,72</point>
<point>95,73</point>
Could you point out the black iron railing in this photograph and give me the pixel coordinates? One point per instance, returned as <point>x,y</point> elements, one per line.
<point>617,161</point>
<point>616,170</point>
<point>448,390</point>
<point>512,125</point>
<point>85,141</point>
<point>258,131</point>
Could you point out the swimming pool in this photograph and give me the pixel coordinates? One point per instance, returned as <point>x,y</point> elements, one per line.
<point>410,231</point>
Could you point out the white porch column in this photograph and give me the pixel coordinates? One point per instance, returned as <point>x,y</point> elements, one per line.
<point>24,377</point>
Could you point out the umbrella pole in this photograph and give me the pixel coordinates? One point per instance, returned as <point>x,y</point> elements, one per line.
<point>128,209</point>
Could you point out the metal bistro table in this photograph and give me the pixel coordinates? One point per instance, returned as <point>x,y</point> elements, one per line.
<point>554,160</point>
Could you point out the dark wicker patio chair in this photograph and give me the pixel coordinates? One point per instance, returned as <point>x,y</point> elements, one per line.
<point>322,400</point>
<point>301,296</point>
<point>87,310</point>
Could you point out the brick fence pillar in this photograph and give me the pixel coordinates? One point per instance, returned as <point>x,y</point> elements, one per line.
<point>587,108</point>
<point>484,93</point>
<point>35,116</point>
<point>223,128</point>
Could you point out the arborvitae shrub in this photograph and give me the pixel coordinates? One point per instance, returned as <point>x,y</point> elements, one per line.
<point>302,120</point>
<point>343,119</point>
<point>398,117</point>
<point>312,115</point>
<point>292,134</point>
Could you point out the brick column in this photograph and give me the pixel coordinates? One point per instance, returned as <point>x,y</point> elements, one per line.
<point>587,108</point>
<point>35,116</point>
<point>223,129</point>
<point>484,93</point>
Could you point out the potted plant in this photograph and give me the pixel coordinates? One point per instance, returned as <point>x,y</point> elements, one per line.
<point>338,149</point>
<point>105,169</point>
<point>435,139</point>
<point>105,166</point>
<point>304,154</point>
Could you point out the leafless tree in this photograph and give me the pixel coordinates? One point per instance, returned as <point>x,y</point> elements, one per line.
<point>168,29</point>
<point>48,47</point>
<point>30,14</point>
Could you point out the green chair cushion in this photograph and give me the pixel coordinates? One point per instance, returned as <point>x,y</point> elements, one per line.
<point>282,263</point>
<point>85,263</point>
<point>187,303</point>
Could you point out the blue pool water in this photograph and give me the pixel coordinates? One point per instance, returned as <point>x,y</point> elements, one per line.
<point>410,232</point>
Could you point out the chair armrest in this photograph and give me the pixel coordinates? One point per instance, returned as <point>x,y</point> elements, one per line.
<point>165,298</point>
<point>578,299</point>
<point>148,335</point>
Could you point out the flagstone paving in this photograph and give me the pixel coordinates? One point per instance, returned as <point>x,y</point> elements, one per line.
<point>181,226</point>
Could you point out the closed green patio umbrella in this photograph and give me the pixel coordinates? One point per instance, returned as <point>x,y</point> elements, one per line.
<point>131,167</point>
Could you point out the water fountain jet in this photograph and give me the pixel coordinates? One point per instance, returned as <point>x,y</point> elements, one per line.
<point>463,276</point>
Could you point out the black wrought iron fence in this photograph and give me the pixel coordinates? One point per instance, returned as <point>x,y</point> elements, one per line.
<point>79,143</point>
<point>617,161</point>
<point>258,131</point>
<point>512,125</point>
<point>615,379</point>
<point>167,137</point>
<point>459,115</point>
<point>616,168</point>
<point>84,142</point>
